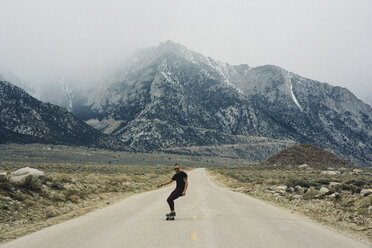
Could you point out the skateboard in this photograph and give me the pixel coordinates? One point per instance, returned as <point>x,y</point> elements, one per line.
<point>169,217</point>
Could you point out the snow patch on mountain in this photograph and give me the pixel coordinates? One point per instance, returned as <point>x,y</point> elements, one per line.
<point>222,69</point>
<point>167,78</point>
<point>107,125</point>
<point>68,94</point>
<point>294,97</point>
<point>288,79</point>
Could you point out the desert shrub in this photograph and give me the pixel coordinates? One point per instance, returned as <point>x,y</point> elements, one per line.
<point>243,178</point>
<point>303,182</point>
<point>310,194</point>
<point>338,188</point>
<point>57,186</point>
<point>363,211</point>
<point>323,181</point>
<point>4,207</point>
<point>352,188</point>
<point>32,183</point>
<point>272,181</point>
<point>58,197</point>
<point>4,183</point>
<point>65,178</point>
<point>71,192</point>
<point>346,186</point>
<point>74,198</point>
<point>349,203</point>
<point>50,212</point>
<point>359,183</point>
<point>48,178</point>
<point>18,195</point>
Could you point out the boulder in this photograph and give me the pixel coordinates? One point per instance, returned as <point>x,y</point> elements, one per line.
<point>282,187</point>
<point>334,195</point>
<point>296,197</point>
<point>290,189</point>
<point>329,172</point>
<point>6,198</point>
<point>28,171</point>
<point>50,212</point>
<point>323,190</point>
<point>365,192</point>
<point>299,189</point>
<point>333,184</point>
<point>20,175</point>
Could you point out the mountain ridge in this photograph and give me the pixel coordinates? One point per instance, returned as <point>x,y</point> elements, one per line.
<point>24,119</point>
<point>186,91</point>
<point>169,98</point>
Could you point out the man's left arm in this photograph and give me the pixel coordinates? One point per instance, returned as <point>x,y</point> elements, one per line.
<point>186,184</point>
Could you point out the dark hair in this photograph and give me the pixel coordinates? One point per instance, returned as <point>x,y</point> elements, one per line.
<point>176,165</point>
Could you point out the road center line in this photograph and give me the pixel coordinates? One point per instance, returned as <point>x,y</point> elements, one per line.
<point>193,236</point>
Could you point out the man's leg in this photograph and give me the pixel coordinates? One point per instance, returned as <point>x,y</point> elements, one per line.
<point>174,195</point>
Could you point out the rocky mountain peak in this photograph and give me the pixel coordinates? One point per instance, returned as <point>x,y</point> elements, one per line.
<point>170,46</point>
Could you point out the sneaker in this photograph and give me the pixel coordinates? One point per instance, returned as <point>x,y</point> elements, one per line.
<point>171,214</point>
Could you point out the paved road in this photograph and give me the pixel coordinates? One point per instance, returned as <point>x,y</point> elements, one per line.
<point>208,216</point>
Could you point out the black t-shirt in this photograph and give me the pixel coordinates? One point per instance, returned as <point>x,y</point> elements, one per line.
<point>178,177</point>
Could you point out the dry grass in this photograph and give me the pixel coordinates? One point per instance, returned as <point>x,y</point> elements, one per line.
<point>66,191</point>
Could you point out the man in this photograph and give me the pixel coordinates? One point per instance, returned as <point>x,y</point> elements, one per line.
<point>181,178</point>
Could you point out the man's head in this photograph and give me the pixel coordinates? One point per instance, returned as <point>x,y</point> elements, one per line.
<point>177,168</point>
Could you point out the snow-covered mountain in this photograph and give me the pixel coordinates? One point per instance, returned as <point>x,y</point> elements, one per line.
<point>169,96</point>
<point>69,88</point>
<point>6,75</point>
<point>24,119</point>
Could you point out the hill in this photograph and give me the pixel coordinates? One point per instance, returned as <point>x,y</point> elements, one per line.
<point>307,154</point>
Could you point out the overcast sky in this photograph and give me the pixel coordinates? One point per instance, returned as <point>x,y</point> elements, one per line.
<point>326,40</point>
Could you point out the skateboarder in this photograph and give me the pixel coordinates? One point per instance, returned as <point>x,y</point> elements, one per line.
<point>181,178</point>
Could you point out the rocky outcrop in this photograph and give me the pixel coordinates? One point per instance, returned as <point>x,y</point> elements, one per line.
<point>21,174</point>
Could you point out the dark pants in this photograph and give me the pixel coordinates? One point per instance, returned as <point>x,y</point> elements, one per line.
<point>173,196</point>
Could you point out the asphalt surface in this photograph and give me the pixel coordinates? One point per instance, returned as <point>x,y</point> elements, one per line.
<point>208,216</point>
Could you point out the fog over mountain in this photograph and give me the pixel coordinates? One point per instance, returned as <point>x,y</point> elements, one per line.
<point>41,42</point>
<point>169,96</point>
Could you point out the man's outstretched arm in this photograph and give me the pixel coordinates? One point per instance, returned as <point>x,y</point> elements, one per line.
<point>186,184</point>
<point>165,183</point>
